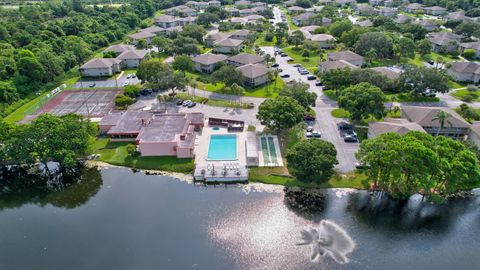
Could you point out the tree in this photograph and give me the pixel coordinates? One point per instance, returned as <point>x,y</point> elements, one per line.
<point>468,29</point>
<point>416,30</point>
<point>371,54</point>
<point>8,92</point>
<point>157,74</point>
<point>441,118</point>
<point>362,100</point>
<point>312,160</point>
<point>382,44</point>
<point>280,113</point>
<point>417,80</point>
<point>207,18</point>
<point>299,92</point>
<point>469,54</point>
<point>227,75</point>
<point>193,31</point>
<point>183,63</point>
<point>132,90</point>
<point>336,79</point>
<point>296,38</point>
<point>340,27</point>
<point>304,3</point>
<point>417,162</point>
<point>405,47</point>
<point>424,47</point>
<point>122,101</point>
<point>51,138</point>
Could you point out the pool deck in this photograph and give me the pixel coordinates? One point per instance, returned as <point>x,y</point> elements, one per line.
<point>220,170</point>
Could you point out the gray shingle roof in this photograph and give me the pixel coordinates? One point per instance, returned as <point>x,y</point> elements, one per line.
<point>328,65</point>
<point>397,125</point>
<point>100,63</point>
<point>465,67</point>
<point>345,55</point>
<point>246,58</point>
<point>133,54</point>
<point>209,58</point>
<point>424,116</point>
<point>253,70</point>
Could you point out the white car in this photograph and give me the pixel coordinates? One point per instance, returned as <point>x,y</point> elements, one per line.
<point>129,76</point>
<point>126,83</point>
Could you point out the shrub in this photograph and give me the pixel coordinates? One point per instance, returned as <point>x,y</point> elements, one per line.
<point>469,54</point>
<point>305,53</point>
<point>132,150</point>
<point>122,101</point>
<point>472,88</point>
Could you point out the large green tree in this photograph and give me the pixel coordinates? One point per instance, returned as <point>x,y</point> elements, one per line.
<point>299,92</point>
<point>417,80</point>
<point>312,160</point>
<point>362,100</point>
<point>280,113</point>
<point>380,42</point>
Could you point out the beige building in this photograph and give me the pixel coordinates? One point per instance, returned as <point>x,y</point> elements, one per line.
<point>454,127</point>
<point>245,59</point>
<point>464,71</point>
<point>101,67</point>
<point>228,46</point>
<point>348,56</point>
<point>254,75</point>
<point>339,64</point>
<point>206,63</point>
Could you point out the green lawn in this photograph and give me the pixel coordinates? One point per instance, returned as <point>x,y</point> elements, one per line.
<point>27,109</point>
<point>267,90</point>
<point>465,95</point>
<point>311,61</point>
<point>340,113</point>
<point>260,41</point>
<point>276,176</point>
<point>214,102</point>
<point>115,153</point>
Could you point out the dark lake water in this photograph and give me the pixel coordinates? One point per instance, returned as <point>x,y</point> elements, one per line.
<point>117,219</point>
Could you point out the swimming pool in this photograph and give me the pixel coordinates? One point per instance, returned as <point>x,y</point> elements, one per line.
<point>222,147</point>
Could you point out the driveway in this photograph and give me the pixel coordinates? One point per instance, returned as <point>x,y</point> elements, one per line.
<point>325,122</point>
<point>277,15</point>
<point>118,81</point>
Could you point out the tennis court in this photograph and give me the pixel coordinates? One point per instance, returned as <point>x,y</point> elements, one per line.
<point>90,103</point>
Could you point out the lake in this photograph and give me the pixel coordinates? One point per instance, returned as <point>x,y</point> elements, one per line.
<point>118,219</point>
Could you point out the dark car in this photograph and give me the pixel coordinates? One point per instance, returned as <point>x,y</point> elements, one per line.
<point>275,65</point>
<point>318,83</point>
<point>297,65</point>
<point>289,60</point>
<point>345,126</point>
<point>349,133</point>
<point>283,55</point>
<point>309,118</point>
<point>179,102</point>
<point>191,104</point>
<point>350,139</point>
<point>430,62</point>
<point>146,92</point>
<point>284,75</point>
<point>311,77</point>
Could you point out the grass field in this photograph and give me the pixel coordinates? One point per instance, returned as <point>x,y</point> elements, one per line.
<point>115,153</point>
<point>465,95</point>
<point>311,61</point>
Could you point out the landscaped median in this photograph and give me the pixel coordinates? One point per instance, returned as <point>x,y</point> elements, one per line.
<point>116,153</point>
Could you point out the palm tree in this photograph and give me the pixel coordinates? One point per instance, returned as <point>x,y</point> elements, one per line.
<point>442,118</point>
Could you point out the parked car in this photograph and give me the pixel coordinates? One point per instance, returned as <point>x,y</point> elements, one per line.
<point>92,85</point>
<point>134,76</point>
<point>311,77</point>
<point>186,102</point>
<point>275,65</point>
<point>344,126</point>
<point>316,134</point>
<point>146,92</point>
<point>297,65</point>
<point>191,104</point>
<point>318,83</point>
<point>349,132</point>
<point>283,54</point>
<point>285,75</point>
<point>304,72</point>
<point>289,60</point>
<point>308,118</point>
<point>309,129</point>
<point>350,139</point>
<point>126,83</point>
<point>129,76</point>
<point>309,135</point>
<point>179,102</point>
<point>279,69</point>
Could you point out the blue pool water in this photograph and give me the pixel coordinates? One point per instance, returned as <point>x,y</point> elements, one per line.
<point>222,147</point>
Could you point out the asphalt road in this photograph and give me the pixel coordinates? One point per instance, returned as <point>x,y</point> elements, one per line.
<point>325,122</point>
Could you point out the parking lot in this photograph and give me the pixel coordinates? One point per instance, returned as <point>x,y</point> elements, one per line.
<point>118,81</point>
<point>325,122</point>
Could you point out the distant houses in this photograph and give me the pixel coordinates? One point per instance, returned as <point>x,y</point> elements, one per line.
<point>395,125</point>
<point>126,57</point>
<point>338,64</point>
<point>464,71</point>
<point>206,63</point>
<point>444,41</point>
<point>349,56</point>
<point>475,46</point>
